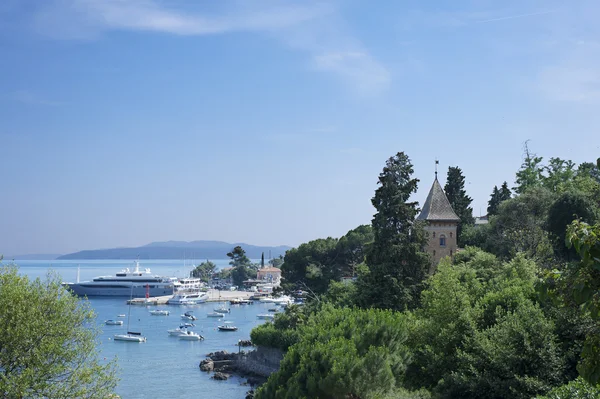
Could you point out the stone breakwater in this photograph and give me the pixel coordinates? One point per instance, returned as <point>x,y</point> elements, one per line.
<point>256,365</point>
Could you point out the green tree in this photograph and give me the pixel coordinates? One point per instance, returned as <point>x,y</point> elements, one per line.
<point>576,389</point>
<point>560,174</point>
<point>351,249</point>
<point>460,201</point>
<point>48,342</point>
<point>238,257</point>
<point>276,262</point>
<point>204,271</point>
<point>580,283</point>
<point>520,226</point>
<point>480,332</point>
<point>494,202</point>
<point>531,173</point>
<point>241,273</point>
<point>397,264</point>
<point>262,260</point>
<point>505,193</point>
<point>343,353</point>
<point>311,265</point>
<point>569,206</point>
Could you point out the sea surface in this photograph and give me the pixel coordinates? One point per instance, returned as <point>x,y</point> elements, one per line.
<point>164,366</point>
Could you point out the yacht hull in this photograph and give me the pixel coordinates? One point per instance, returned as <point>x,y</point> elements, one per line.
<point>124,290</point>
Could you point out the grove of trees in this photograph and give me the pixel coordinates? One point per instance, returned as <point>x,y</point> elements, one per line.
<point>515,313</point>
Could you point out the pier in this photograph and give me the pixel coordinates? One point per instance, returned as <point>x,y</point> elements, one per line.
<point>213,296</point>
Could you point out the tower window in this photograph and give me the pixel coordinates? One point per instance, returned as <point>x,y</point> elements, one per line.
<point>442,240</point>
<point>434,234</point>
<point>450,235</point>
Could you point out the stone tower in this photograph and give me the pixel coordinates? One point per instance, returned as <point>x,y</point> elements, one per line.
<point>441,224</point>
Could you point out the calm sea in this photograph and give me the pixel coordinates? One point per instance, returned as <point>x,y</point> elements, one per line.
<point>164,366</point>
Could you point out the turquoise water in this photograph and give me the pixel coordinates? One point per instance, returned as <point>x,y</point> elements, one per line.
<point>164,366</point>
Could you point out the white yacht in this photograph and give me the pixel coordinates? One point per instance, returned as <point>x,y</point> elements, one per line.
<point>135,283</point>
<point>130,336</point>
<point>190,336</point>
<point>188,298</point>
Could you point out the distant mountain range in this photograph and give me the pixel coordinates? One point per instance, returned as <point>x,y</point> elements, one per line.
<point>33,257</point>
<point>178,250</point>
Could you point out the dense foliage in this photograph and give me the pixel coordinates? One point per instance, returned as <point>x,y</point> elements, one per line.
<point>482,326</point>
<point>204,271</point>
<point>315,264</point>
<point>343,353</point>
<point>48,342</point>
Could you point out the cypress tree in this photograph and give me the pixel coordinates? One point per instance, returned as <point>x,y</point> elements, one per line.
<point>460,201</point>
<point>397,265</point>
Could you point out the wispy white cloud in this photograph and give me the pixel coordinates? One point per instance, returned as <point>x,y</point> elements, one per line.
<point>531,14</point>
<point>313,27</point>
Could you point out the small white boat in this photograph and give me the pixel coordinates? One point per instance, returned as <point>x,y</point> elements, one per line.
<point>121,315</point>
<point>215,314</point>
<point>114,322</point>
<point>159,312</point>
<point>266,316</point>
<point>191,336</point>
<point>222,309</point>
<point>228,326</point>
<point>189,316</point>
<point>275,310</point>
<point>187,325</point>
<point>182,329</point>
<point>130,336</point>
<point>267,299</point>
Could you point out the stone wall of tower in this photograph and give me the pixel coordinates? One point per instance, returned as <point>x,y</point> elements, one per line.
<point>436,230</point>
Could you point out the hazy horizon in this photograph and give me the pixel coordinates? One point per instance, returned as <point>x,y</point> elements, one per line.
<point>268,122</point>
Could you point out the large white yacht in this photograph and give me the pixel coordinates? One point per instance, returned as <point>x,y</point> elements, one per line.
<point>134,283</point>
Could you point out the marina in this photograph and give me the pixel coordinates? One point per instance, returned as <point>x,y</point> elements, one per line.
<point>140,363</point>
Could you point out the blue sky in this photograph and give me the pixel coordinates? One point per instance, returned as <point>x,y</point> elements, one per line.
<point>129,121</point>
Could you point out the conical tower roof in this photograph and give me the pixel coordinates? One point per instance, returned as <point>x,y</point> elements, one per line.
<point>437,207</point>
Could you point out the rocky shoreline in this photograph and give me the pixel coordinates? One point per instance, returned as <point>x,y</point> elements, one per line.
<point>255,365</point>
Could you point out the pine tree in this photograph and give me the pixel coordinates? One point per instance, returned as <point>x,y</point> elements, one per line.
<point>397,265</point>
<point>505,193</point>
<point>262,259</point>
<point>494,202</point>
<point>460,201</point>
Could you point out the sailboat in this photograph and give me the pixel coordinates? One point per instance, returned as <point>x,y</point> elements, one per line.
<point>131,336</point>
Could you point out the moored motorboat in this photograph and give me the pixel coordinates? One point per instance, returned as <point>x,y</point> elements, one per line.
<point>158,312</point>
<point>227,326</point>
<point>266,316</point>
<point>191,336</point>
<point>222,309</point>
<point>121,315</point>
<point>189,316</point>
<point>114,322</point>
<point>215,314</point>
<point>182,329</point>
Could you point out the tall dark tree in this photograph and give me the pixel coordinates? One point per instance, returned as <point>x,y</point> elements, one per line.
<point>262,259</point>
<point>505,193</point>
<point>397,264</point>
<point>460,201</point>
<point>494,202</point>
<point>238,257</point>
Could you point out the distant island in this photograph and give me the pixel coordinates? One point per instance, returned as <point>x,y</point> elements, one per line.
<point>178,250</point>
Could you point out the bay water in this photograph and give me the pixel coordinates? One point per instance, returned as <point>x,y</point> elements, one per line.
<point>164,366</point>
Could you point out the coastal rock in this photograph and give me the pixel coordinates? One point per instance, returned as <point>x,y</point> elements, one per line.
<point>207,365</point>
<point>245,342</point>
<point>222,355</point>
<point>220,376</point>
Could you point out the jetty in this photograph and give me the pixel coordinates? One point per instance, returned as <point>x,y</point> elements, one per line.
<point>213,296</point>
